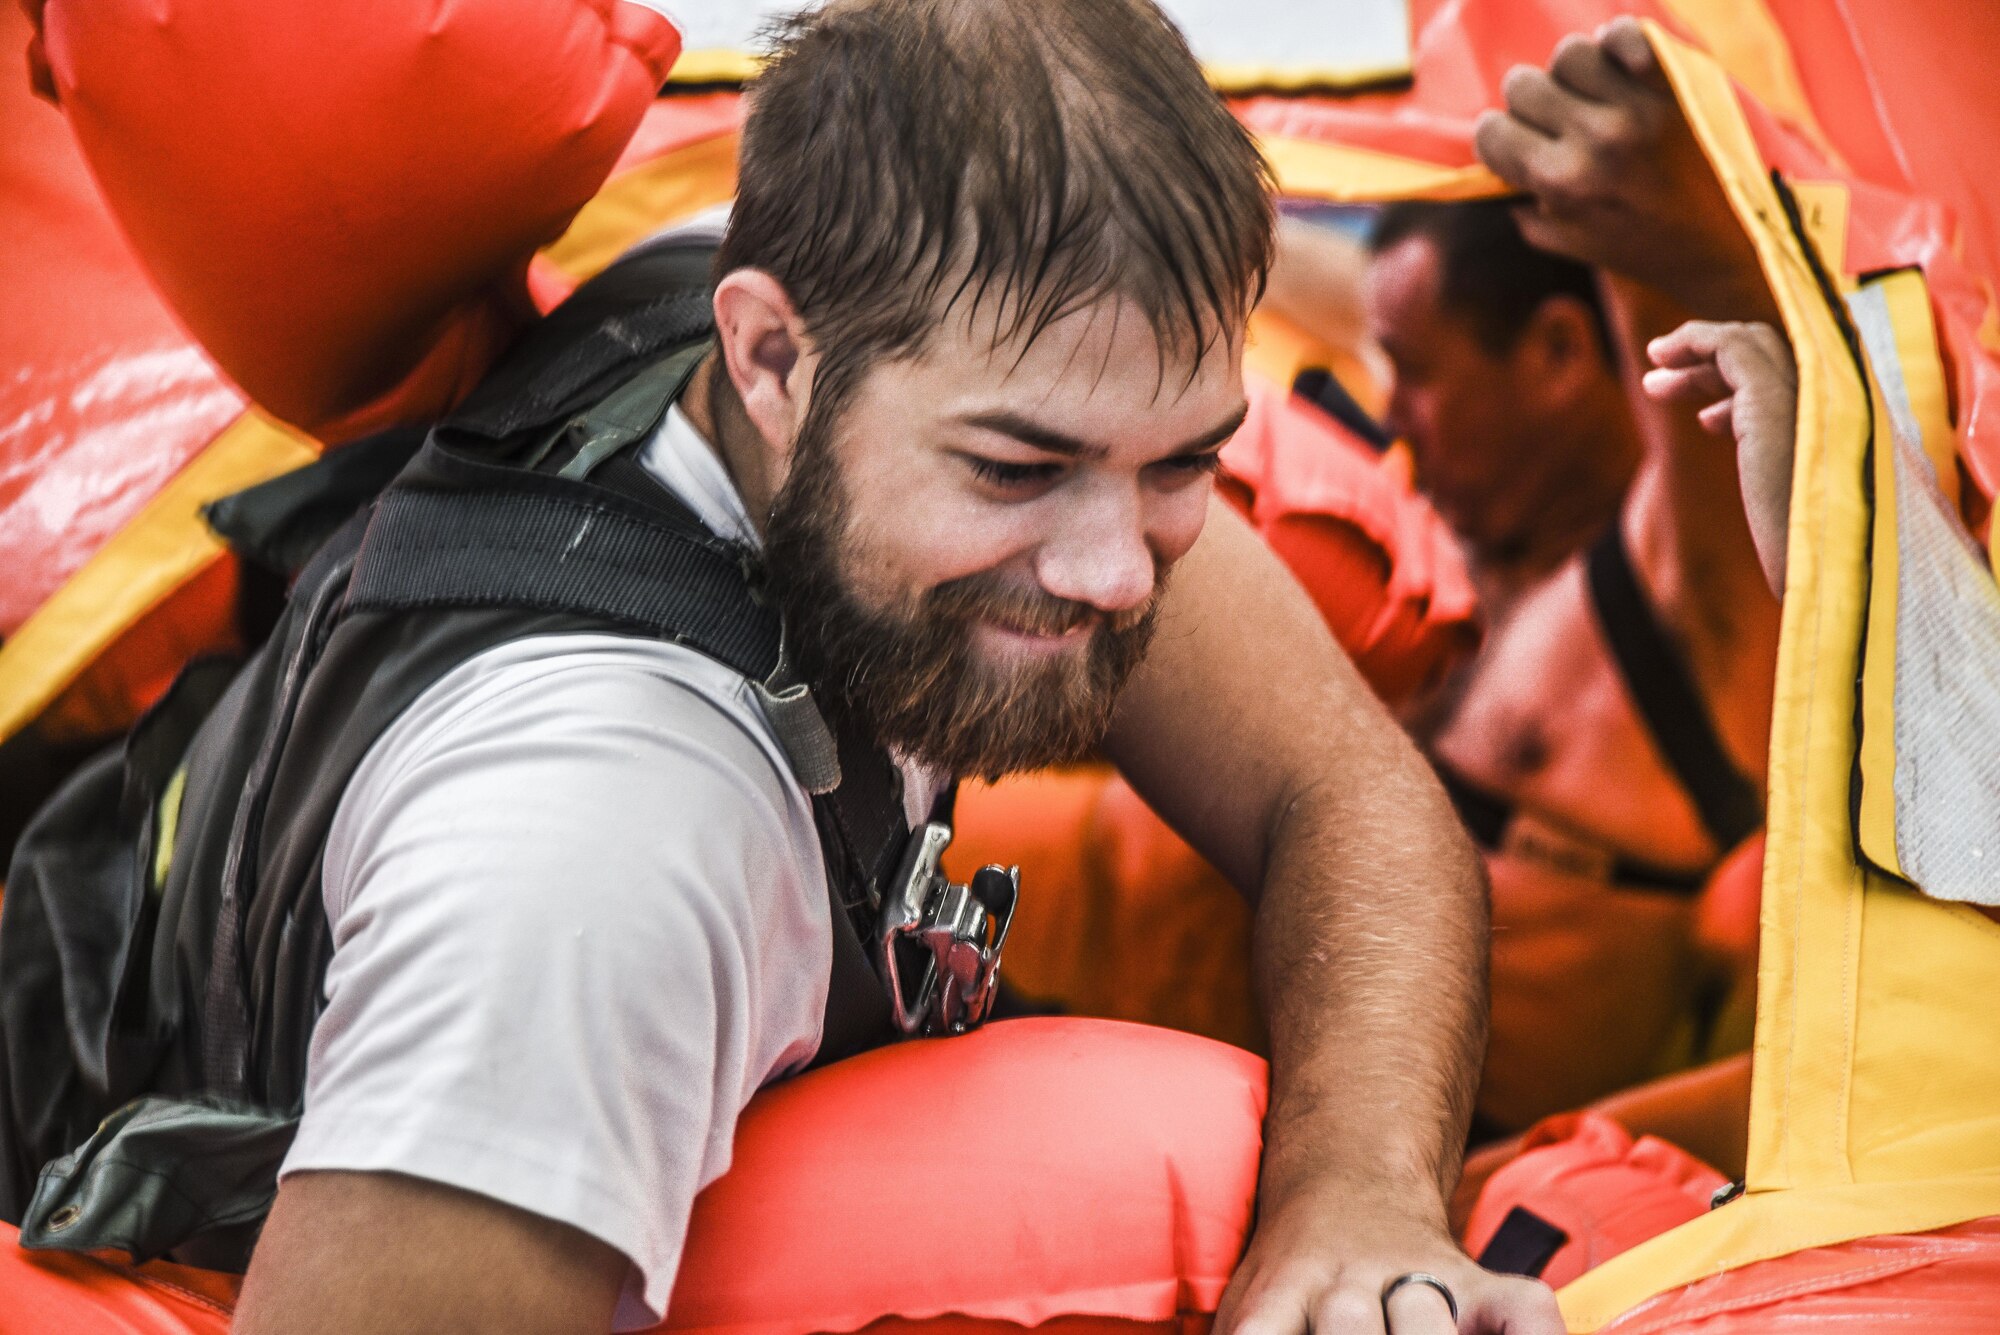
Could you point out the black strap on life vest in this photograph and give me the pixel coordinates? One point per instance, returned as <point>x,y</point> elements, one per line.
<point>538,548</point>
<point>1487,815</point>
<point>1323,390</point>
<point>1669,702</point>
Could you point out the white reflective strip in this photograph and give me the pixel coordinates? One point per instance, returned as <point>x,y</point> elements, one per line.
<point>1869,307</point>
<point>1947,700</point>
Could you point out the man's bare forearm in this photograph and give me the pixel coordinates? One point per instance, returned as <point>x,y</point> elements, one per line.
<point>1371,965</point>
<point>1253,735</point>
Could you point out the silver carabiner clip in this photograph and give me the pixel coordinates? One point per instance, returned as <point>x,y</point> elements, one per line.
<point>938,944</point>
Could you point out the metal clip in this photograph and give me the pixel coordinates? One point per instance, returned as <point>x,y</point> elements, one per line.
<point>938,944</point>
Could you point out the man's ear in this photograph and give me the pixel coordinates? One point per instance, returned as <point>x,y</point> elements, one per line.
<point>1562,352</point>
<point>764,346</point>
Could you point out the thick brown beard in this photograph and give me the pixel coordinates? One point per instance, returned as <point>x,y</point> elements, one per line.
<point>913,681</point>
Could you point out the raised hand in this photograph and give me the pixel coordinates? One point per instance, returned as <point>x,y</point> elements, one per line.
<point>1616,176</point>
<point>1743,379</point>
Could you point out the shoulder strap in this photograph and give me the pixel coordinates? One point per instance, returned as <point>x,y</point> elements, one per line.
<point>1664,691</point>
<point>543,544</point>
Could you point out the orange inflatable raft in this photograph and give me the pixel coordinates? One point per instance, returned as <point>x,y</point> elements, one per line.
<point>1584,1191</point>
<point>179,132</point>
<point>1066,1175</point>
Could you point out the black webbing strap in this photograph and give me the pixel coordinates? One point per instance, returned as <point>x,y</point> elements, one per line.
<point>862,829</point>
<point>1487,816</point>
<point>1524,1244</point>
<point>553,548</point>
<point>867,812</point>
<point>1322,388</point>
<point>1663,689</point>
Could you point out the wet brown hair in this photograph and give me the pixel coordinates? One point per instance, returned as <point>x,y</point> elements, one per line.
<point>1026,156</point>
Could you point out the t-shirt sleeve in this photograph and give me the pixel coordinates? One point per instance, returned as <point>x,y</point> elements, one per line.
<point>577,922</point>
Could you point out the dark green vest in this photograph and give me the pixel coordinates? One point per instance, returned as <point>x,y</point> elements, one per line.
<point>164,941</point>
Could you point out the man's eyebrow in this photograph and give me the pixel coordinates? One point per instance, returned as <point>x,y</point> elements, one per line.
<point>1216,435</point>
<point>1033,433</point>
<point>1048,438</point>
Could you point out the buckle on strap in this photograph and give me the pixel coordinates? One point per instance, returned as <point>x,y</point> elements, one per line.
<point>938,944</point>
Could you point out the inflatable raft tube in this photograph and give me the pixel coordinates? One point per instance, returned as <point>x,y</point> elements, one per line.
<point>1067,1175</point>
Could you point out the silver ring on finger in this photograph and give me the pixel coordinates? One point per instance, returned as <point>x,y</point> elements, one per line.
<point>1418,1277</point>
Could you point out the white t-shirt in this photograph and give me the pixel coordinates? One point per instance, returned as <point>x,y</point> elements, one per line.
<point>579,917</point>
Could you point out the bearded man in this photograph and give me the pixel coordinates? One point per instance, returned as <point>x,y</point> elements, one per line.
<point>572,758</point>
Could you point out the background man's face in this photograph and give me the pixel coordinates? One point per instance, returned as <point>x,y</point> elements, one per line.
<point>1469,419</point>
<point>1002,520</point>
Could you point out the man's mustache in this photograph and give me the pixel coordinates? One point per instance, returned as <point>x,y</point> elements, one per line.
<point>990,597</point>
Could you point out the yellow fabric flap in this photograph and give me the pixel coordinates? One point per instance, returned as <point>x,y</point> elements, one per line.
<point>1875,1104</point>
<point>1342,174</point>
<point>636,203</point>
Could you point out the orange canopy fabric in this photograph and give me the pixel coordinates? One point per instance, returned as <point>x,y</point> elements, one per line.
<point>103,396</point>
<point>1905,91</point>
<point>348,236</point>
<point>1940,1283</point>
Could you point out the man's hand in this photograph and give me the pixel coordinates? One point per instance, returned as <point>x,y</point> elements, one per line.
<point>1320,1262</point>
<point>1743,379</point>
<point>1617,177</point>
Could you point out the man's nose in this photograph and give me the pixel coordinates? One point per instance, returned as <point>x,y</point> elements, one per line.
<point>1102,556</point>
